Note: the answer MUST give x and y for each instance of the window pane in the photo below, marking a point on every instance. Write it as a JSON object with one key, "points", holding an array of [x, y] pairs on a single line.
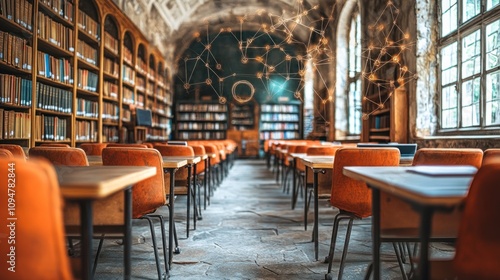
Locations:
{"points": [[449, 98], [449, 16], [471, 54], [492, 3], [355, 108], [471, 91], [471, 8], [449, 64], [493, 45], [493, 98], [449, 118]]}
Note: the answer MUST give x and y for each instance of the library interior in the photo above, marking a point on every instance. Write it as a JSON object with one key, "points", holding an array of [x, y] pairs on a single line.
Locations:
{"points": [[249, 139]]}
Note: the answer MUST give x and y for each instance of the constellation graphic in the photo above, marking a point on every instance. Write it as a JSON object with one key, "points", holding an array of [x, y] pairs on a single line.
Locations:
{"points": [[282, 60]]}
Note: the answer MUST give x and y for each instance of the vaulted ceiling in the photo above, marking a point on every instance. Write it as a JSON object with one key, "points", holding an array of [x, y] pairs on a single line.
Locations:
{"points": [[170, 24]]}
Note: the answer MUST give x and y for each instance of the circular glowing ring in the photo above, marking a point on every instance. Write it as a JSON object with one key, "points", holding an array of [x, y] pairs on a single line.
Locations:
{"points": [[238, 98]]}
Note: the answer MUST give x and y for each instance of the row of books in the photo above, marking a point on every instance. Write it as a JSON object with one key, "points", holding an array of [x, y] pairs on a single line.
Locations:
{"points": [[51, 128], [87, 80], [111, 67], [160, 109], [280, 108], [19, 11], [127, 55], [128, 74], [157, 134], [381, 121], [279, 117], [201, 126], [128, 96], [15, 51], [151, 73], [15, 90], [87, 108], [279, 126], [57, 69], [163, 95], [87, 52], [202, 107], [202, 116], [279, 135], [140, 83], [150, 88], [64, 8], [126, 115], [139, 101], [86, 131], [15, 125], [110, 134], [110, 89], [55, 32], [88, 25], [141, 66], [53, 98], [111, 42], [201, 135], [110, 112], [160, 122]]}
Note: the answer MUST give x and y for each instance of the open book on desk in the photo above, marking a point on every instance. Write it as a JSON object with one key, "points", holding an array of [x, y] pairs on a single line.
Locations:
{"points": [[441, 170]]}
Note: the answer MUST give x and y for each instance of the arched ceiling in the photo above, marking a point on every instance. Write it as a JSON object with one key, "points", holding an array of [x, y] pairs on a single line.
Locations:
{"points": [[170, 24]]}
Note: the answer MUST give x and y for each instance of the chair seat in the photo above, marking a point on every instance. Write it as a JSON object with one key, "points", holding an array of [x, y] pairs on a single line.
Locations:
{"points": [[411, 234]]}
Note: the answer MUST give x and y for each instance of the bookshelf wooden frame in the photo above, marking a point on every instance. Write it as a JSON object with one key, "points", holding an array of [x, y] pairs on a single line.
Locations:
{"points": [[72, 102], [202, 120], [281, 121]]}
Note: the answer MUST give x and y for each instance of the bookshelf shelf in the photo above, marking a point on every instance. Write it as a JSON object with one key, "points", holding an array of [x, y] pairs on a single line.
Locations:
{"points": [[280, 121], [201, 120]]}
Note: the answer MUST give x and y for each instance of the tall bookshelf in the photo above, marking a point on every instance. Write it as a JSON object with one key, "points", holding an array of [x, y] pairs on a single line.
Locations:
{"points": [[201, 120], [242, 116], [72, 71], [161, 104], [386, 122], [280, 121]]}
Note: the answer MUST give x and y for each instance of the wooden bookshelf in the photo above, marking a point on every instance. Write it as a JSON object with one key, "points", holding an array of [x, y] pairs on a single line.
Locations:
{"points": [[243, 116], [73, 71], [280, 121], [201, 120], [387, 122]]}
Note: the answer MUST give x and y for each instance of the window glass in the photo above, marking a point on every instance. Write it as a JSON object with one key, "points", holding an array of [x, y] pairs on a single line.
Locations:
{"points": [[492, 3], [493, 45], [493, 98], [471, 8], [471, 54], [449, 16], [449, 105]]}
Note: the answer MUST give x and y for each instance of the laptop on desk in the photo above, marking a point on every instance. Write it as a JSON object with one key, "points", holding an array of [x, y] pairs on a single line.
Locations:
{"points": [[407, 151]]}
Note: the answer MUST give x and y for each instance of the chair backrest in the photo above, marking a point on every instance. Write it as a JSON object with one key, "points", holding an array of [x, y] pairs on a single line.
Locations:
{"points": [[175, 150], [40, 248], [212, 149], [442, 156], [57, 156], [16, 150], [179, 143], [93, 149], [131, 145], [4, 153], [148, 195], [199, 150], [352, 195], [478, 246], [322, 150], [489, 156], [60, 145]]}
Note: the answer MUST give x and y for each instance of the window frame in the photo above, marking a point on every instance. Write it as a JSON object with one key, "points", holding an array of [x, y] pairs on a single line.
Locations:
{"points": [[478, 22]]}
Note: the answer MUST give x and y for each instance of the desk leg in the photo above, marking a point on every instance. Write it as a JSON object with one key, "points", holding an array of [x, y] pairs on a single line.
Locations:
{"points": [[205, 181], [188, 215], [171, 217], [425, 232], [294, 190], [127, 239], [376, 232], [86, 232], [316, 214]]}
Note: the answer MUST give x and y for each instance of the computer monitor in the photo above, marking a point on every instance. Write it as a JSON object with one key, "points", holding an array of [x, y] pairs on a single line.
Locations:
{"points": [[406, 150], [143, 117]]}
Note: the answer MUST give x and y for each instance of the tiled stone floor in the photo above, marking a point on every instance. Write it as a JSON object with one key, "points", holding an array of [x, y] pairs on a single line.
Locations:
{"points": [[249, 231]]}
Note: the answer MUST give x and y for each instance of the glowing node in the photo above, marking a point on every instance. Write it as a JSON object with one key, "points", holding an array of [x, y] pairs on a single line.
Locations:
{"points": [[187, 86], [209, 46], [365, 116], [404, 69], [297, 94], [259, 75], [372, 77], [324, 101], [208, 81], [271, 68], [288, 57], [381, 106], [239, 97], [244, 60], [207, 65], [222, 100], [218, 66]]}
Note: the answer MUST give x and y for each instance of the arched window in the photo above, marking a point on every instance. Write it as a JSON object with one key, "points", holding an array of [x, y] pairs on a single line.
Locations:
{"points": [[354, 79]]}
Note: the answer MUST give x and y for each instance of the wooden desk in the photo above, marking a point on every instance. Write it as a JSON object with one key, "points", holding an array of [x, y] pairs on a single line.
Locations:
{"points": [[85, 184], [424, 192], [294, 157], [318, 164]]}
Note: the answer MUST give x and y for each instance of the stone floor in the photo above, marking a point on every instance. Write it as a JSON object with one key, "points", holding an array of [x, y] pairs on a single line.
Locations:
{"points": [[249, 231]]}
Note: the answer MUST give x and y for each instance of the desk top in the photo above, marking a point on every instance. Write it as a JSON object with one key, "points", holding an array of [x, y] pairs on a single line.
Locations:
{"points": [[322, 162], [94, 182], [168, 162], [442, 190]]}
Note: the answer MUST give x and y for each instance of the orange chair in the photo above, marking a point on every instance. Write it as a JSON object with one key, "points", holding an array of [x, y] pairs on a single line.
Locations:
{"points": [[489, 156], [40, 249], [132, 145], [57, 156], [16, 150], [201, 168], [352, 197], [478, 246], [400, 223], [183, 177], [324, 181], [214, 167], [4, 153], [93, 149]]}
